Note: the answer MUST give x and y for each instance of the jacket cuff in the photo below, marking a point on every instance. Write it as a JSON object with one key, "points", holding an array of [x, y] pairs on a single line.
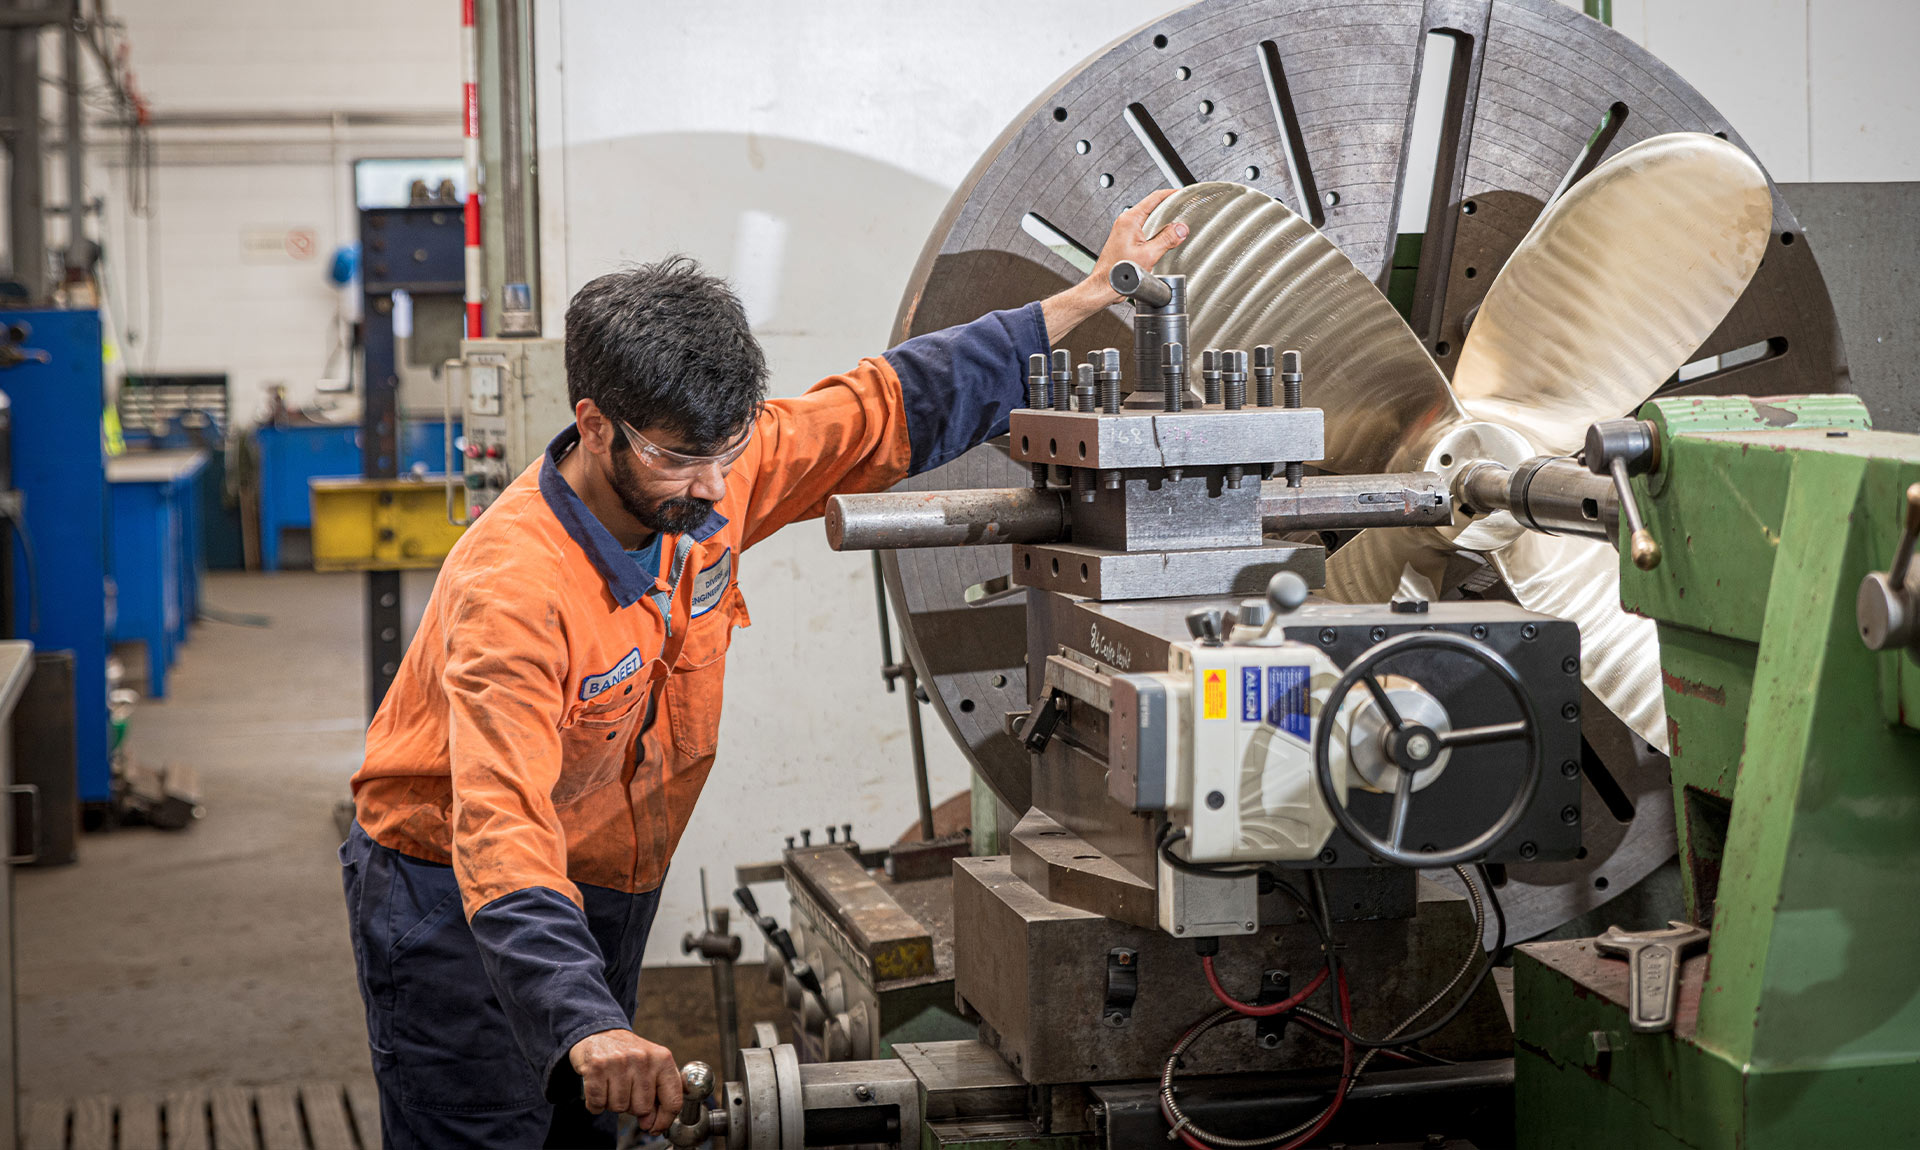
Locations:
{"points": [[959, 385], [548, 974]]}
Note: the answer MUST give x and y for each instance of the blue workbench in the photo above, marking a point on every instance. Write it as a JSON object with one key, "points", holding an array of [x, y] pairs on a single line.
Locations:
{"points": [[159, 558], [59, 464], [292, 454]]}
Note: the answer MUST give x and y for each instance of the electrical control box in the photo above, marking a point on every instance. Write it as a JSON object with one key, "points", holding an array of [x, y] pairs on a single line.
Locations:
{"points": [[1232, 734], [512, 398]]}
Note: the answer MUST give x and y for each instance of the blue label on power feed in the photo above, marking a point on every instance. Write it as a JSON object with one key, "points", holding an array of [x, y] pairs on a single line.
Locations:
{"points": [[1287, 692], [1250, 708]]}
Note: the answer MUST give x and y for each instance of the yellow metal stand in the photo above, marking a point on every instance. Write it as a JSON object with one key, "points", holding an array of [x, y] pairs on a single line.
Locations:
{"points": [[380, 524]]}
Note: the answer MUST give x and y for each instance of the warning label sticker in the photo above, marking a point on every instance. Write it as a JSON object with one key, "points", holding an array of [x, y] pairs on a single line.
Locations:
{"points": [[1213, 691]]}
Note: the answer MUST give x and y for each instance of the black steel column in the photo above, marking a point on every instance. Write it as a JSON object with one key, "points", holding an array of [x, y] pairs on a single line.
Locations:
{"points": [[420, 251]]}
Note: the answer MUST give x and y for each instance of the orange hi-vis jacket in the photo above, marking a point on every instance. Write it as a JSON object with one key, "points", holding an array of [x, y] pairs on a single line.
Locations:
{"points": [[556, 715]]}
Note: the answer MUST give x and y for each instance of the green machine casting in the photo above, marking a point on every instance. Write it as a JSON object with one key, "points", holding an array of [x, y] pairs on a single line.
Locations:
{"points": [[1796, 782]]}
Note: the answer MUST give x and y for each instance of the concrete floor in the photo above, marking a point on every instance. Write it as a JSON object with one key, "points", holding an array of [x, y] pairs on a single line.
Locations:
{"points": [[218, 954]]}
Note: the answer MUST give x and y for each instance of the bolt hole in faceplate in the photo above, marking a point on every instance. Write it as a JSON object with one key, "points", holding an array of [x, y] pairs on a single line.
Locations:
{"points": [[966, 705], [1251, 174], [1472, 272], [1206, 107], [1228, 139], [1600, 883], [1786, 238], [983, 226], [1060, 114], [1083, 146]]}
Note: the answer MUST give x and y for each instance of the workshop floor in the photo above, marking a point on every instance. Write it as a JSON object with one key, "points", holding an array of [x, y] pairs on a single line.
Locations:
{"points": [[218, 955]]}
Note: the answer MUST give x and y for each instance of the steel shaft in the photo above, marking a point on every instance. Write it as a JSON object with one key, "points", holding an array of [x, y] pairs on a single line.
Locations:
{"points": [[898, 520]]}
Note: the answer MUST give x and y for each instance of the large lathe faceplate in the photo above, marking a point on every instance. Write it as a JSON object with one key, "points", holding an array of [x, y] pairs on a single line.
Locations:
{"points": [[1331, 84]]}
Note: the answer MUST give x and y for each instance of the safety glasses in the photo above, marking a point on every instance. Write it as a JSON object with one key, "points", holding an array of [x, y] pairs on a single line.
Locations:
{"points": [[666, 461]]}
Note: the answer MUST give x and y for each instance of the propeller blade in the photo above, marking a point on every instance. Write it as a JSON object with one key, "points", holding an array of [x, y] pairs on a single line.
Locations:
{"points": [[1579, 580], [1617, 284], [1369, 567], [1257, 273]]}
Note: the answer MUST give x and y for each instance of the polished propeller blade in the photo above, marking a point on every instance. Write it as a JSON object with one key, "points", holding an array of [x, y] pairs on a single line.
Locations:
{"points": [[1257, 273], [1369, 567], [1579, 580], [1615, 287]]}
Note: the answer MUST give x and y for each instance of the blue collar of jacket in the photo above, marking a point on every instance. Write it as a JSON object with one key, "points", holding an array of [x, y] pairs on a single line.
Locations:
{"points": [[623, 575]]}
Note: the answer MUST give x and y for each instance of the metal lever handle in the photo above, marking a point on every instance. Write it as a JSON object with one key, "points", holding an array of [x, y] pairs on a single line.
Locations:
{"points": [[1645, 548], [1903, 556], [1884, 608], [695, 1124], [1139, 285]]}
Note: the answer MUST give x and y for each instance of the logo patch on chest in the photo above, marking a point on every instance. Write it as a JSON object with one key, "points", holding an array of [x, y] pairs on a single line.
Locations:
{"points": [[711, 583], [625, 669]]}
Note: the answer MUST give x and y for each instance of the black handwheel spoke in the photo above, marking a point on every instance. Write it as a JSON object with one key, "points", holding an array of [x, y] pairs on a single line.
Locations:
{"points": [[1417, 744], [1402, 806], [1491, 733], [1379, 694]]}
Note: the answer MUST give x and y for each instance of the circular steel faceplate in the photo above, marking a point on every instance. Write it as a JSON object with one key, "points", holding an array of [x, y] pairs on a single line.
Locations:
{"points": [[1217, 90]]}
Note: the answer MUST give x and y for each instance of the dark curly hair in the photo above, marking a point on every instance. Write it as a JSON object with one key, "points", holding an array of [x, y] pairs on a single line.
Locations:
{"points": [[667, 345]]}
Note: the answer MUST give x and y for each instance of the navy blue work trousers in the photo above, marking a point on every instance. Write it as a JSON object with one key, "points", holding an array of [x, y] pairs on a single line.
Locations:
{"points": [[449, 1069]]}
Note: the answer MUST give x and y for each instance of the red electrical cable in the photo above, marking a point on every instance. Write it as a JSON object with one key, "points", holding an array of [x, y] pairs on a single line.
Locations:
{"points": [[1346, 1068], [1251, 1009]]}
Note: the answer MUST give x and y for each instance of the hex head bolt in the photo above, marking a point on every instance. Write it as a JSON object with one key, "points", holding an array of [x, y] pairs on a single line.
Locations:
{"points": [[1290, 396], [1173, 387], [1263, 389], [1210, 375], [1106, 378], [1233, 388], [1037, 400], [1173, 377], [1062, 401]]}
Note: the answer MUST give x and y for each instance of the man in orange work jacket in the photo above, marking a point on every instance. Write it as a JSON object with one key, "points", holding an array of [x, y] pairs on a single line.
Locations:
{"points": [[540, 752]]}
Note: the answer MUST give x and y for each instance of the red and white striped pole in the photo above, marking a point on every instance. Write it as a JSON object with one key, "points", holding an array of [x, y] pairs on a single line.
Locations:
{"points": [[470, 51]]}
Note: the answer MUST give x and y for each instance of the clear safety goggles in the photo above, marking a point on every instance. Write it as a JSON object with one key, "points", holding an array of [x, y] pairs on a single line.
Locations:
{"points": [[667, 461]]}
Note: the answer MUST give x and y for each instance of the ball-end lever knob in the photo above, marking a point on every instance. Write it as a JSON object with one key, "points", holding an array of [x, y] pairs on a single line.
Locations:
{"points": [[1139, 285], [1205, 624], [694, 1125], [1285, 592]]}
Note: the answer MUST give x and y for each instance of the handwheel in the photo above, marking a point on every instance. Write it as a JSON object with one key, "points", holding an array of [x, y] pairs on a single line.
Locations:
{"points": [[1413, 748]]}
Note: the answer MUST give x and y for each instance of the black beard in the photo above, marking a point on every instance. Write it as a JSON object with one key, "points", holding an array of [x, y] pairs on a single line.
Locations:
{"points": [[668, 516]]}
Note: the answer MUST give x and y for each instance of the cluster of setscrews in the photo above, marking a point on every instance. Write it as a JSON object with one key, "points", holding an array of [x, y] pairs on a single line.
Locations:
{"points": [[1055, 382]]}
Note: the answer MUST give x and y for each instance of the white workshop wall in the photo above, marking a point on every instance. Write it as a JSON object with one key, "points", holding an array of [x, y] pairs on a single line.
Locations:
{"points": [[1822, 89], [205, 304]]}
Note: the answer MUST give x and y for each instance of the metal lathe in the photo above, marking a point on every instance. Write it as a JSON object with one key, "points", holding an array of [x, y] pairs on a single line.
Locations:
{"points": [[1336, 616]]}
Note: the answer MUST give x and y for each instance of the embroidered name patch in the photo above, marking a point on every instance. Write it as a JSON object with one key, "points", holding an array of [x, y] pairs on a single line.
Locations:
{"points": [[711, 584], [625, 669]]}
